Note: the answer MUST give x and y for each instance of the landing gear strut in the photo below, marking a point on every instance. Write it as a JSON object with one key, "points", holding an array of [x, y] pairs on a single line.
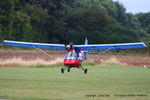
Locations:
{"points": [[68, 69]]}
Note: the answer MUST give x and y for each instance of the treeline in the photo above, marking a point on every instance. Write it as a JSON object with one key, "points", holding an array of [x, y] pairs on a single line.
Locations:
{"points": [[63, 21]]}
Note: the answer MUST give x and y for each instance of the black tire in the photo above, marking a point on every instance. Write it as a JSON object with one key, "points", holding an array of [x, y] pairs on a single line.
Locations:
{"points": [[68, 69], [85, 71], [62, 70]]}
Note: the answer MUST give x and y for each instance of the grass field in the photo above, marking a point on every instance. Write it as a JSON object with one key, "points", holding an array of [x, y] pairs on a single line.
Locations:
{"points": [[101, 82]]}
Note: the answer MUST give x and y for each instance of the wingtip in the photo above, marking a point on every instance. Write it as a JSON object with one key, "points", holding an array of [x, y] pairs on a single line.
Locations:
{"points": [[144, 45]]}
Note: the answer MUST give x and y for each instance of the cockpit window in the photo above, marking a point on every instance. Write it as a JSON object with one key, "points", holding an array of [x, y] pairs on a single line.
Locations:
{"points": [[72, 54]]}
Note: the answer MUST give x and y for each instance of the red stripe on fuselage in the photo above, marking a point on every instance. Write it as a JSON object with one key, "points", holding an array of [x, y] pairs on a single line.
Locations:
{"points": [[72, 62]]}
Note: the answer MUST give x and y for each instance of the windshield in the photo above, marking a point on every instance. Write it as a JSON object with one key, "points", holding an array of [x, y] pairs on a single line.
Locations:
{"points": [[72, 54]]}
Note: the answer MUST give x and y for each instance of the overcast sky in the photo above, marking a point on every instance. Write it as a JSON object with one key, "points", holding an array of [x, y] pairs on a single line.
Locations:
{"points": [[135, 6]]}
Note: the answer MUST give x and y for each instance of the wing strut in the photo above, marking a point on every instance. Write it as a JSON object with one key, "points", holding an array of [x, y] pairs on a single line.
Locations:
{"points": [[98, 55], [44, 52], [101, 53]]}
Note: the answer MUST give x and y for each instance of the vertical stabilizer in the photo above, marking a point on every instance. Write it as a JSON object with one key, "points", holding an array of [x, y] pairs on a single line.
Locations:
{"points": [[86, 52]]}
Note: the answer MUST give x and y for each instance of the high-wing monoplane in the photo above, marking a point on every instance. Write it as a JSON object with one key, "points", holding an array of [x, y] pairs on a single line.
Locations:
{"points": [[75, 53]]}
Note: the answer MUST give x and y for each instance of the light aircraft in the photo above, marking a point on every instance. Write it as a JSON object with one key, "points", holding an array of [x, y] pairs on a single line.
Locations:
{"points": [[75, 53]]}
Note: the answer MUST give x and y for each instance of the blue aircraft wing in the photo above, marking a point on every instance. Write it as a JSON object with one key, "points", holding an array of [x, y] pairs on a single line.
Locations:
{"points": [[81, 47], [35, 45], [111, 46]]}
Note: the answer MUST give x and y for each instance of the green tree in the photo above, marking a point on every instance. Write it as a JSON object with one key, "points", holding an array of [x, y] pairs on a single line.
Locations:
{"points": [[144, 19], [1, 36], [61, 21], [148, 29], [28, 34], [37, 18]]}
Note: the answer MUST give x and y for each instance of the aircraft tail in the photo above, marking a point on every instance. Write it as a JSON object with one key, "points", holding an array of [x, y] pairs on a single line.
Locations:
{"points": [[86, 52]]}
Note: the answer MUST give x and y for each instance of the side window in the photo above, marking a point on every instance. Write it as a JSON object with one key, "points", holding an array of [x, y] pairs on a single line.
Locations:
{"points": [[80, 56]]}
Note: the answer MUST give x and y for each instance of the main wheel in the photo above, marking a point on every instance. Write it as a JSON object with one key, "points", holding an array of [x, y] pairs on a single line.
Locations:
{"points": [[68, 69], [62, 70], [85, 71]]}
